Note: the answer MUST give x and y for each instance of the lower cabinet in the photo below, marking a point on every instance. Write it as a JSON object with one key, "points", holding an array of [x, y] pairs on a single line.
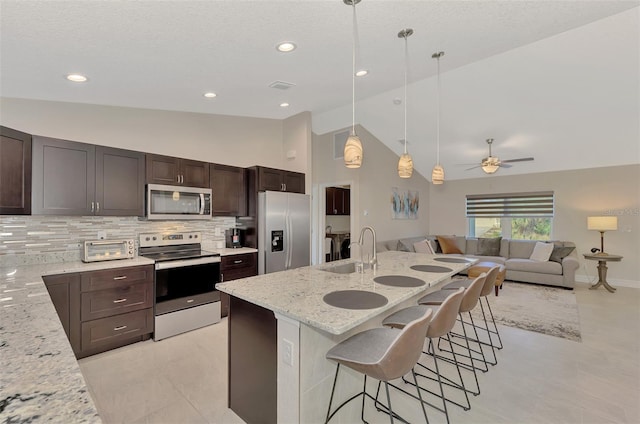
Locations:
{"points": [[106, 309], [234, 267]]}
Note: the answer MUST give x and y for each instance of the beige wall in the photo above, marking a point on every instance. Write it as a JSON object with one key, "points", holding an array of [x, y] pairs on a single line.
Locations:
{"points": [[222, 139], [371, 186], [296, 142], [578, 194]]}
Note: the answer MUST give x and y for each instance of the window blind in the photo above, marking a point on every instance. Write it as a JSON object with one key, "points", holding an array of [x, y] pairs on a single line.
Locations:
{"points": [[537, 204]]}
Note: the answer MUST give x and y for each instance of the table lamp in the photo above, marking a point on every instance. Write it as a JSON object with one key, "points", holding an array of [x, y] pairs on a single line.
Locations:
{"points": [[602, 224]]}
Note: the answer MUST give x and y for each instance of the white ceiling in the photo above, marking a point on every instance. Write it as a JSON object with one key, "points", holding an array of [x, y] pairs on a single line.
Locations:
{"points": [[166, 54]]}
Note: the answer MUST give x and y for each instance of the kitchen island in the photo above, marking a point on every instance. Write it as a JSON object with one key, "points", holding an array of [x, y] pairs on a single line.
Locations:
{"points": [[280, 329]]}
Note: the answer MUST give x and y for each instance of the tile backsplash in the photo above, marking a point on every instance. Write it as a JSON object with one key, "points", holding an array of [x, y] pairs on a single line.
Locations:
{"points": [[35, 239]]}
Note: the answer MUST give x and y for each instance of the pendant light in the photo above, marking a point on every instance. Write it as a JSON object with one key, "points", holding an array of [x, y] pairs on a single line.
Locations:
{"points": [[353, 146], [405, 163], [437, 176]]}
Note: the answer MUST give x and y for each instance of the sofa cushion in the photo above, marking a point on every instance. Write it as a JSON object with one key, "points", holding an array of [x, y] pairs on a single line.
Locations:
{"points": [[521, 248], [423, 246], [406, 244], [448, 244], [489, 246], [528, 265], [541, 251], [560, 252], [471, 246], [496, 259]]}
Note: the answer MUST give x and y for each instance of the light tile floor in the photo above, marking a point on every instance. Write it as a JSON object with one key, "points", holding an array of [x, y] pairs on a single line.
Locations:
{"points": [[538, 379]]}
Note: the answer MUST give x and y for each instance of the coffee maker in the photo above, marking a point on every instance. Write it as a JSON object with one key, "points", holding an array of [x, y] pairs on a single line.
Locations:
{"points": [[234, 237]]}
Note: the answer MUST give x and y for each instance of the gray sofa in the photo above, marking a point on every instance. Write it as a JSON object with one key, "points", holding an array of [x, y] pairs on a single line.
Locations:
{"points": [[513, 254]]}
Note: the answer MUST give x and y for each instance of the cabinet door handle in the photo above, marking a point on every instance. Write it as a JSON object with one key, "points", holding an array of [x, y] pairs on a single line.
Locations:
{"points": [[178, 179], [122, 327], [92, 207], [122, 277], [97, 207], [190, 301], [221, 278], [181, 179], [120, 300], [285, 186], [238, 261]]}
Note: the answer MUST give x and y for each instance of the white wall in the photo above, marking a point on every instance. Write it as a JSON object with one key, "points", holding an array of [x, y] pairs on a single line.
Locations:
{"points": [[296, 143], [578, 194], [222, 139], [371, 186]]}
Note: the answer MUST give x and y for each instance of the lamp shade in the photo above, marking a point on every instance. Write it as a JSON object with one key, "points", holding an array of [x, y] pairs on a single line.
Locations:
{"points": [[353, 152], [437, 175], [602, 223], [405, 166]]}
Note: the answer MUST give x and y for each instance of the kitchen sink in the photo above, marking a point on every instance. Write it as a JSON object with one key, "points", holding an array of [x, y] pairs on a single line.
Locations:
{"points": [[348, 268]]}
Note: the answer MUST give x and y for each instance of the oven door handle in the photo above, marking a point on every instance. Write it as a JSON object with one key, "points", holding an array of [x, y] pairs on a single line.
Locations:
{"points": [[187, 262]]}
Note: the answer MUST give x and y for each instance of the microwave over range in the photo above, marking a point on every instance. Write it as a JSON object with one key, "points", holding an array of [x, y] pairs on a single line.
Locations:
{"points": [[175, 202]]}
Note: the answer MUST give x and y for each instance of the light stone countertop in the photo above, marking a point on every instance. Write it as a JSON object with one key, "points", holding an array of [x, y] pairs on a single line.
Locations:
{"points": [[298, 293], [40, 379], [238, 251]]}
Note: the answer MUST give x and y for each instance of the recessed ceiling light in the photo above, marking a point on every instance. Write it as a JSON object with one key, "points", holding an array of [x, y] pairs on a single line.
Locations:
{"points": [[76, 78], [284, 104], [210, 95], [286, 46], [362, 72]]}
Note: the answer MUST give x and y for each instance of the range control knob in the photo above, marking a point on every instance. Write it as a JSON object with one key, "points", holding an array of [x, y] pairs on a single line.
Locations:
{"points": [[147, 239], [190, 236], [154, 238], [196, 236]]}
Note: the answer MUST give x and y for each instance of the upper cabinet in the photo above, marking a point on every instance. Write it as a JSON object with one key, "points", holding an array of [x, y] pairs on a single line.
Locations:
{"points": [[278, 180], [229, 190], [71, 178], [338, 201], [15, 172], [169, 170]]}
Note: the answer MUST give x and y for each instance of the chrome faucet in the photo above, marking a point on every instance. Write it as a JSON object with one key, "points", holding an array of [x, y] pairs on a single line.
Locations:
{"points": [[374, 260]]}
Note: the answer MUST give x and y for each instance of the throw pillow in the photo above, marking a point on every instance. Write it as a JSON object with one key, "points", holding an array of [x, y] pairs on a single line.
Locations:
{"points": [[559, 253], [423, 247], [541, 252], [448, 244], [489, 246]]}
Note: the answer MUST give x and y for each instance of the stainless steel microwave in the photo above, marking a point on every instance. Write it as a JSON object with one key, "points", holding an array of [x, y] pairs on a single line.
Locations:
{"points": [[175, 202]]}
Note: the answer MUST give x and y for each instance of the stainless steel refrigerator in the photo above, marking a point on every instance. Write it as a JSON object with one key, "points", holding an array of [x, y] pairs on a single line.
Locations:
{"points": [[284, 231]]}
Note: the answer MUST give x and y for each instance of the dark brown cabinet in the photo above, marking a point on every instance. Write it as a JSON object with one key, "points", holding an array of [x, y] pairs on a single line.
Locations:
{"points": [[106, 309], [15, 172], [278, 180], [234, 267], [170, 170], [229, 190], [71, 178], [338, 201]]}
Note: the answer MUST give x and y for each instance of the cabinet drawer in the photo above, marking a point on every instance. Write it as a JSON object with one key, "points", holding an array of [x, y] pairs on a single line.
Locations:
{"points": [[116, 277], [113, 330], [232, 262], [235, 274], [104, 303]]}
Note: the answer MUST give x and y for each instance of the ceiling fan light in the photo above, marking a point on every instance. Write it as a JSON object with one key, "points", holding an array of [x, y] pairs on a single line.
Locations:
{"points": [[489, 166], [353, 152], [437, 175], [405, 166]]}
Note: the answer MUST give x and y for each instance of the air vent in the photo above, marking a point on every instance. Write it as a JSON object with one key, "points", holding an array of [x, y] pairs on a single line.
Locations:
{"points": [[401, 141], [281, 85], [339, 140]]}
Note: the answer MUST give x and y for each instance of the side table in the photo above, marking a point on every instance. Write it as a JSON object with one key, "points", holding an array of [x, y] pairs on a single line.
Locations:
{"points": [[602, 269]]}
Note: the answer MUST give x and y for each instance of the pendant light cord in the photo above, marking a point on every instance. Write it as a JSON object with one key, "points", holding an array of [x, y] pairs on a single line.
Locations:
{"points": [[438, 114], [353, 71], [406, 67]]}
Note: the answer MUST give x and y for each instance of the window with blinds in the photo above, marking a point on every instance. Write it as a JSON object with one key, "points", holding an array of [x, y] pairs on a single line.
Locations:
{"points": [[510, 205]]}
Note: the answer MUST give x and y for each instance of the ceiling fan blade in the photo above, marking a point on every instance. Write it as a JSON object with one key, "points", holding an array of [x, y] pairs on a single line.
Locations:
{"points": [[473, 167], [504, 165], [517, 160]]}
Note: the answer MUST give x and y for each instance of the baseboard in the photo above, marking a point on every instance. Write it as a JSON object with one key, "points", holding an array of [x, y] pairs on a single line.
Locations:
{"points": [[581, 278]]}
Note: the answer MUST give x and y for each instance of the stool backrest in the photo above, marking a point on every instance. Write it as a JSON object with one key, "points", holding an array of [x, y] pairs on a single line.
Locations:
{"points": [[490, 281], [445, 317], [471, 296], [403, 354]]}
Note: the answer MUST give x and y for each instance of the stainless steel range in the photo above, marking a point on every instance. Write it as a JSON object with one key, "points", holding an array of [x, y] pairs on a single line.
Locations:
{"points": [[185, 282]]}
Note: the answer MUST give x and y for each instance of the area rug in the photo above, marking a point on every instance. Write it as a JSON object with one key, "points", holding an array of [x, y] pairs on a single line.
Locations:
{"points": [[547, 310]]}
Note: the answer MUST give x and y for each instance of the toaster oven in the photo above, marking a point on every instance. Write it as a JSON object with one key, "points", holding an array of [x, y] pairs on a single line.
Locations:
{"points": [[107, 250]]}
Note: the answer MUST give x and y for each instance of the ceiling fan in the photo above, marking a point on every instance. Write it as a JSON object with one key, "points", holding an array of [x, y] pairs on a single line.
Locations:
{"points": [[491, 164]]}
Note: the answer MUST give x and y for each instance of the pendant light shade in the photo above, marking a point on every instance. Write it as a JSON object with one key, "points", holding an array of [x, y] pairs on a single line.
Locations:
{"points": [[353, 151], [405, 163], [353, 147], [437, 175]]}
